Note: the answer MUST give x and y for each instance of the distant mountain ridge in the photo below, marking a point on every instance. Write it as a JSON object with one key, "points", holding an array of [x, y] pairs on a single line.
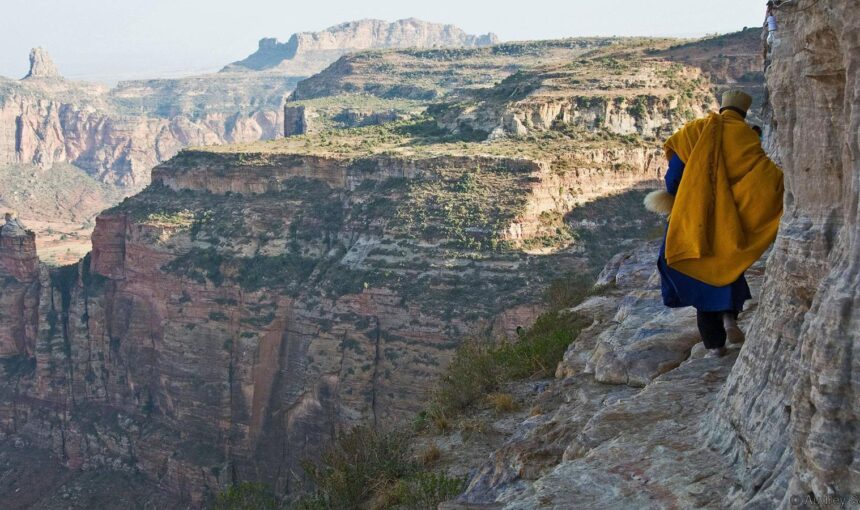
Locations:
{"points": [[311, 52]]}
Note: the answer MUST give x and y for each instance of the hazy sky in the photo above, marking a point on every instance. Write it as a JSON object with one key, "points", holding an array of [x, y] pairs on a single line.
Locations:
{"points": [[114, 39]]}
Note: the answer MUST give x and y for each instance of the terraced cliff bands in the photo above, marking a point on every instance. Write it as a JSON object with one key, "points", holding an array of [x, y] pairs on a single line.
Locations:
{"points": [[317, 291], [256, 298], [771, 425], [308, 53], [625, 86]]}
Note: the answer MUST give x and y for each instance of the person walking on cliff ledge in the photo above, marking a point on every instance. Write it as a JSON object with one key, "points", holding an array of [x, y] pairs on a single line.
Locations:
{"points": [[724, 200]]}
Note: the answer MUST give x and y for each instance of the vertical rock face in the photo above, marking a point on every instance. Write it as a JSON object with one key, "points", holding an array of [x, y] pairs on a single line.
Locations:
{"points": [[298, 120], [41, 65], [790, 411], [219, 331], [19, 270], [118, 135]]}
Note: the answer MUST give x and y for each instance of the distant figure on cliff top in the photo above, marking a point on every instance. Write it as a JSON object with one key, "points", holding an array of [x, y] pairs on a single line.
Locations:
{"points": [[13, 227], [724, 197], [770, 24]]}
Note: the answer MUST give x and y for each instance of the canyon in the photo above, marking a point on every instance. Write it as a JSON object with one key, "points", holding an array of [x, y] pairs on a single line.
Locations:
{"points": [[103, 142], [255, 298], [272, 293]]}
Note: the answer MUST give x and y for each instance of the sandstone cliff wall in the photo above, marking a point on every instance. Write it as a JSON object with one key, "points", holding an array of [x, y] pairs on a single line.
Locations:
{"points": [[19, 270], [116, 148], [307, 52], [245, 306], [790, 410]]}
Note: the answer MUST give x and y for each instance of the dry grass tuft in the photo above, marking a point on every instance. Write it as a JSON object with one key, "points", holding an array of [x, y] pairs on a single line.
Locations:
{"points": [[502, 402], [430, 455]]}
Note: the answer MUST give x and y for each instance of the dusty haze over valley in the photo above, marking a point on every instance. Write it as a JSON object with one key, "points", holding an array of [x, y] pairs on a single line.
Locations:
{"points": [[405, 264]]}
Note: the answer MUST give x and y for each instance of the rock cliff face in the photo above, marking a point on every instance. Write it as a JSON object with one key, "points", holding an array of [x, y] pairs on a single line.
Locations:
{"points": [[219, 330], [773, 424], [308, 53], [19, 269], [118, 135], [623, 93], [790, 412], [648, 99]]}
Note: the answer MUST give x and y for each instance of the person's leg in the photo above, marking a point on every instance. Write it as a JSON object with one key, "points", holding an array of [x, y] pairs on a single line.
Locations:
{"points": [[711, 329], [733, 332]]}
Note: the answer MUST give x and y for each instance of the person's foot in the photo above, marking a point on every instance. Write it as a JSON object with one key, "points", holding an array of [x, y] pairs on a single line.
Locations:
{"points": [[733, 332], [716, 353]]}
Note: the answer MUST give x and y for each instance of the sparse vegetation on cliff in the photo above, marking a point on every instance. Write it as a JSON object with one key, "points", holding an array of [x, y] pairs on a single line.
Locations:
{"points": [[481, 366], [470, 207], [367, 468], [246, 496]]}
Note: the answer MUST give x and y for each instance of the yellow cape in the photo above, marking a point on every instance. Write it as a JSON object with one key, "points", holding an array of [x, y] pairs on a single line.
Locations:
{"points": [[727, 209]]}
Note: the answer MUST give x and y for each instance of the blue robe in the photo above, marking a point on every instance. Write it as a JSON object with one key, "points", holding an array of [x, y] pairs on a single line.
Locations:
{"points": [[680, 290]]}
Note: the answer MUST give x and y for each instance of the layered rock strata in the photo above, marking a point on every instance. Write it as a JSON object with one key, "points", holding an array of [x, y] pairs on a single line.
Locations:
{"points": [[308, 53], [772, 425], [245, 306], [789, 412]]}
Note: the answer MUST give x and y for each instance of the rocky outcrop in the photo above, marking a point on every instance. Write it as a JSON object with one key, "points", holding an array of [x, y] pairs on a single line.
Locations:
{"points": [[19, 271], [118, 135], [620, 427], [299, 120], [308, 53], [789, 412], [772, 425], [41, 65], [652, 100]]}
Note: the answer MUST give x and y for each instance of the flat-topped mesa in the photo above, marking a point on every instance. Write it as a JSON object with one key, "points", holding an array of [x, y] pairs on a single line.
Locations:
{"points": [[41, 65], [255, 173], [549, 187], [405, 33], [313, 51]]}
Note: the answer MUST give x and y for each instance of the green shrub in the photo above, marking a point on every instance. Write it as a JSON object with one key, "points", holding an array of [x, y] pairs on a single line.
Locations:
{"points": [[246, 496], [542, 347], [360, 465], [480, 366], [370, 468], [470, 376], [426, 490]]}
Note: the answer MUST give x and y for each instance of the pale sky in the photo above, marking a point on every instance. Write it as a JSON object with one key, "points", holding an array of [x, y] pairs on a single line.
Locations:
{"points": [[107, 40]]}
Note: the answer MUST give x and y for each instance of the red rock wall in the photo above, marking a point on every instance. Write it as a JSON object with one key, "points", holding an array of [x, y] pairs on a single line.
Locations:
{"points": [[19, 267]]}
